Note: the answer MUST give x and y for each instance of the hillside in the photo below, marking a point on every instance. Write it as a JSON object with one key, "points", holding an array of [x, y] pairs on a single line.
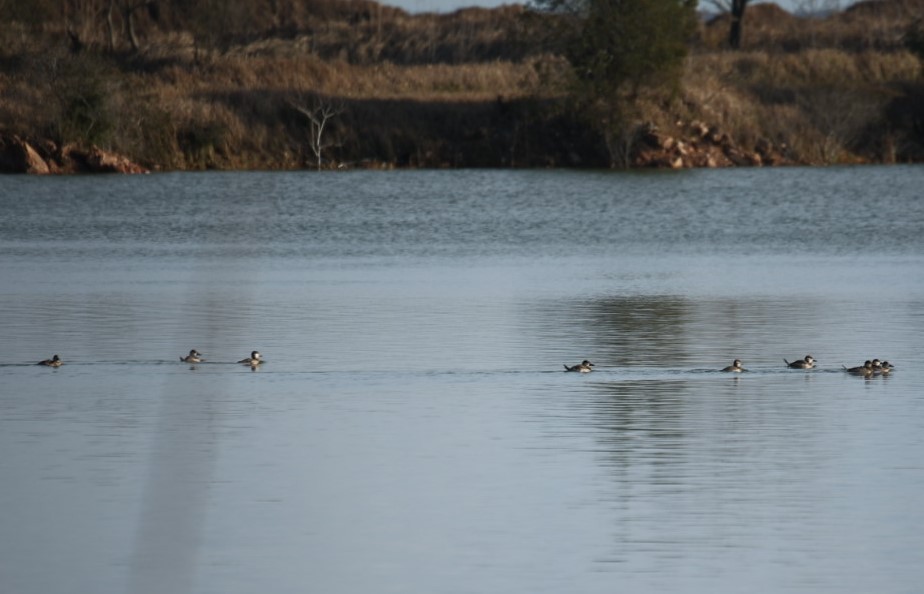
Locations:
{"points": [[172, 88]]}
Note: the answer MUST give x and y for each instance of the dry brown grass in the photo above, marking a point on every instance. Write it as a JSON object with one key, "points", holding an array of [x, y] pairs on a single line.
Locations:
{"points": [[763, 69], [819, 88], [292, 71], [818, 102]]}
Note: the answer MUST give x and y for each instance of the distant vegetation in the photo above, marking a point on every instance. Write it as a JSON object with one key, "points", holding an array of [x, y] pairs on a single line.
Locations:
{"points": [[271, 84]]}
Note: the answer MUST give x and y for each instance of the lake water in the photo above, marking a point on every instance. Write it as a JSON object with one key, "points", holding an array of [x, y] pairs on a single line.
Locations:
{"points": [[412, 430]]}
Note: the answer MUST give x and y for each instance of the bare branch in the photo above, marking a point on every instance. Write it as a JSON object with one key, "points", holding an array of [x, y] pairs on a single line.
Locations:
{"points": [[319, 114]]}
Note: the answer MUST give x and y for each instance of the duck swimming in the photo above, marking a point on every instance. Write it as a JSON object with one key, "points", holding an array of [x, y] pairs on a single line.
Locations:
{"points": [[253, 360], [735, 367], [807, 363], [866, 369], [194, 356], [53, 362], [582, 367], [883, 368]]}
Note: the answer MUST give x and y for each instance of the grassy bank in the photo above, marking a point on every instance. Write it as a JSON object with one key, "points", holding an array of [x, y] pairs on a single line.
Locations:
{"points": [[459, 90]]}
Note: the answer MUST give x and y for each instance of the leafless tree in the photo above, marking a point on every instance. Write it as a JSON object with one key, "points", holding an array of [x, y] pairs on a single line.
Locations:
{"points": [[319, 114]]}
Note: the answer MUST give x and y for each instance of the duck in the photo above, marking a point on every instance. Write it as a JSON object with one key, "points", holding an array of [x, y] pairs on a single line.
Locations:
{"points": [[866, 369], [807, 363], [194, 356], [882, 368], [253, 360], [735, 366], [53, 362], [582, 367]]}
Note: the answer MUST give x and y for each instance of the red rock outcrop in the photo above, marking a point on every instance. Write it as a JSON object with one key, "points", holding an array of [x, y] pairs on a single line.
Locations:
{"points": [[96, 160], [699, 145], [18, 155]]}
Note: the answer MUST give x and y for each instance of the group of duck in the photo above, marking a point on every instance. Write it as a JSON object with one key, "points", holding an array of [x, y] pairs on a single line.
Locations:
{"points": [[869, 368], [194, 356]]}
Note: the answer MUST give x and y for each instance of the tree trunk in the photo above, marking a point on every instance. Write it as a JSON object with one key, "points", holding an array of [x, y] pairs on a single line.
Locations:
{"points": [[110, 26], [737, 22], [128, 16]]}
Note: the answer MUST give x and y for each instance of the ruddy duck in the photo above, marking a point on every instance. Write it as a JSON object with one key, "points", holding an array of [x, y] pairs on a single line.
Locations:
{"points": [[194, 356], [866, 369], [582, 367], [736, 366], [884, 367], [253, 360], [807, 363], [53, 362]]}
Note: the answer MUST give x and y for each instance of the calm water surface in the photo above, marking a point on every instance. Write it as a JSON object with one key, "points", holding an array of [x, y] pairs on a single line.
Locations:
{"points": [[412, 431]]}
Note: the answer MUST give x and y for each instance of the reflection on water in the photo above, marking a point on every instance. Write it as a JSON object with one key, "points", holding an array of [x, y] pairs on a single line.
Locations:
{"points": [[412, 429], [622, 331]]}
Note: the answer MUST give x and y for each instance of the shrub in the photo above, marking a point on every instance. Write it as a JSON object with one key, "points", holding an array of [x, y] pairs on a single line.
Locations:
{"points": [[84, 87]]}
